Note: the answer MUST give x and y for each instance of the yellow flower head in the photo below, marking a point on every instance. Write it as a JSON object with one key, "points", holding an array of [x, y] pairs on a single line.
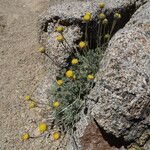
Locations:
{"points": [[90, 77], [56, 104], [74, 61], [60, 29], [69, 73], [82, 45], [56, 135], [101, 5], [88, 13], [42, 127], [105, 21], [41, 50], [107, 36], [32, 105], [59, 82], [102, 16], [27, 98], [25, 136], [87, 17], [117, 16], [60, 38]]}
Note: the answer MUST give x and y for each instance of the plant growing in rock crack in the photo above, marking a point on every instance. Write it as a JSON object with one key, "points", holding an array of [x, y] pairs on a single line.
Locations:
{"points": [[77, 78]]}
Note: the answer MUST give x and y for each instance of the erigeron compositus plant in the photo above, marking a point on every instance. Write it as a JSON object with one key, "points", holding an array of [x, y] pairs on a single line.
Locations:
{"points": [[76, 79]]}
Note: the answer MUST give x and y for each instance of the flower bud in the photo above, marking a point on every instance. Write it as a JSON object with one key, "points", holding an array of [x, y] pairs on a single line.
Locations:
{"points": [[102, 16], [101, 5]]}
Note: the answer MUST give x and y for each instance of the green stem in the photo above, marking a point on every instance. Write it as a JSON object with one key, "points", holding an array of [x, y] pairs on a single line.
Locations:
{"points": [[55, 63], [98, 34], [104, 31], [113, 26], [66, 49], [86, 36]]}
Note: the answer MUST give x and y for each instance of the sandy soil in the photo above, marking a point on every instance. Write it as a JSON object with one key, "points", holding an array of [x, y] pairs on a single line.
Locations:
{"points": [[21, 69]]}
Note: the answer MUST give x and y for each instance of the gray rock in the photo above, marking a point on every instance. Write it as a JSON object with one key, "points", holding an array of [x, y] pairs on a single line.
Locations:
{"points": [[75, 10], [147, 145], [70, 14], [123, 81]]}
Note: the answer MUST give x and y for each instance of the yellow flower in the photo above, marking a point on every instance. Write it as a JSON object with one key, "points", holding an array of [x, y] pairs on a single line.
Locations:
{"points": [[87, 17], [90, 77], [60, 29], [60, 38], [56, 135], [59, 82], [32, 105], [82, 45], [69, 73], [42, 127], [27, 98], [56, 104], [74, 61], [101, 5], [102, 16], [88, 13], [25, 136], [105, 21], [41, 50], [117, 16]]}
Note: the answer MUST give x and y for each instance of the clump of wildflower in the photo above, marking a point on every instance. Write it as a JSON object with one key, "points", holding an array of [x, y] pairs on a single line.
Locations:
{"points": [[90, 77], [74, 61], [32, 105], [56, 135], [59, 82], [82, 45], [87, 17], [56, 104], [27, 98], [25, 136], [60, 38], [101, 5], [105, 21], [102, 16], [69, 73], [117, 16], [60, 29], [42, 127], [41, 50]]}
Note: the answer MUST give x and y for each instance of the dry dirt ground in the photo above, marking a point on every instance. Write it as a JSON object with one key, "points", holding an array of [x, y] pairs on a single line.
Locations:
{"points": [[21, 69]]}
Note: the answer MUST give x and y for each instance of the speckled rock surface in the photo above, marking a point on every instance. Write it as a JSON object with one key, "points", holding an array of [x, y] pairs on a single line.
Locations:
{"points": [[147, 145], [122, 83], [122, 91], [75, 10], [70, 15], [89, 136]]}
